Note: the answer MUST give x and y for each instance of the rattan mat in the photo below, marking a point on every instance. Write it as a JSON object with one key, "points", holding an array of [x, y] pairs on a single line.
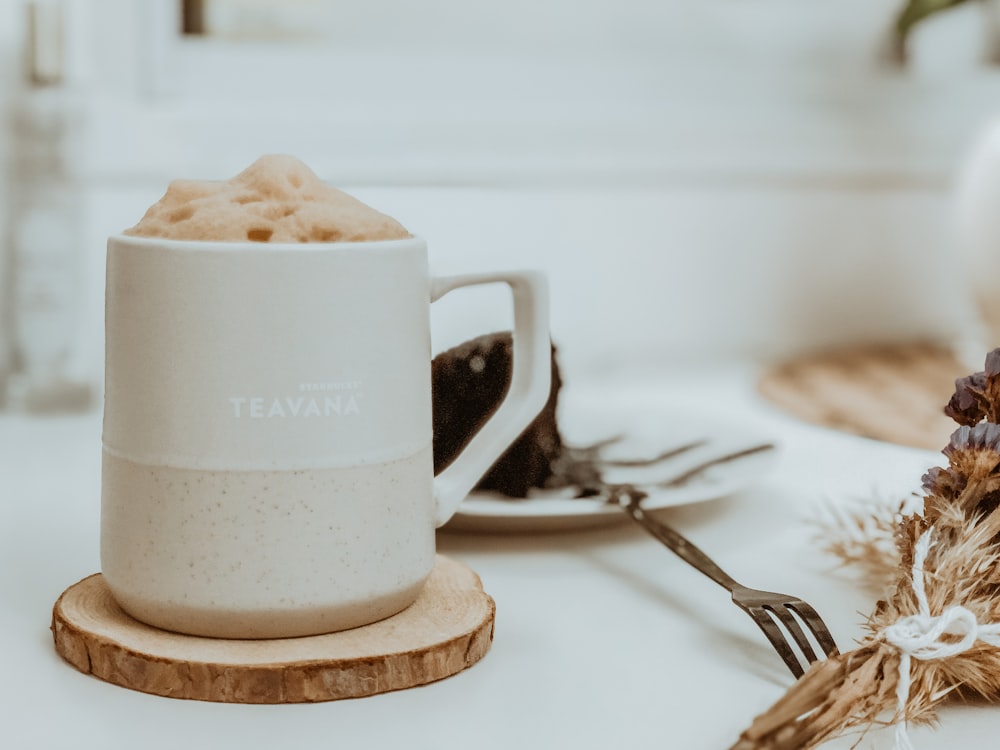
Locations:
{"points": [[895, 393]]}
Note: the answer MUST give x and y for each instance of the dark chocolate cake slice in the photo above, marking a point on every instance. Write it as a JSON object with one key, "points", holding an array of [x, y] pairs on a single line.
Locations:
{"points": [[469, 382]]}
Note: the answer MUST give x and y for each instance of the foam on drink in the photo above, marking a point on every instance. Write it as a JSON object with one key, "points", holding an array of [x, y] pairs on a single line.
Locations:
{"points": [[276, 199]]}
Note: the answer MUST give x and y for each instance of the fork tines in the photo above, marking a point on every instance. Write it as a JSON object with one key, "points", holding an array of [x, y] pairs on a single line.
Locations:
{"points": [[788, 613]]}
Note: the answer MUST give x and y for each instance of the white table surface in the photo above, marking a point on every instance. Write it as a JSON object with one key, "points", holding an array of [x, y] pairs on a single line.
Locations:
{"points": [[603, 638]]}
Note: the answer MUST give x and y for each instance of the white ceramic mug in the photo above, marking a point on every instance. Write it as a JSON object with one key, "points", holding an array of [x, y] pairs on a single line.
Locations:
{"points": [[268, 467]]}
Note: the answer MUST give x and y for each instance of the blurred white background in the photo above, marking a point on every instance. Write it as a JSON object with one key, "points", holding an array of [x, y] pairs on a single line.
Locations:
{"points": [[701, 179]]}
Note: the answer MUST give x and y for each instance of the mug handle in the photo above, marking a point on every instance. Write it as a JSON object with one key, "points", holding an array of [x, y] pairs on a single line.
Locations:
{"points": [[529, 384]]}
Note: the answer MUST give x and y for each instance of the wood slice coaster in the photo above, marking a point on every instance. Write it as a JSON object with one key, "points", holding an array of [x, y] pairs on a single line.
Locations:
{"points": [[894, 393], [448, 628]]}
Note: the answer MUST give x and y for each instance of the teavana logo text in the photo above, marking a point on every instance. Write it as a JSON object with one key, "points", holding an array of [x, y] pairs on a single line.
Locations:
{"points": [[322, 400]]}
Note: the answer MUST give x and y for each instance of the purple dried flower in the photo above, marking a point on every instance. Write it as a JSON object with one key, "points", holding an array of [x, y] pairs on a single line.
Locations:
{"points": [[991, 389], [993, 364], [977, 397], [974, 452], [983, 436], [969, 404], [943, 483]]}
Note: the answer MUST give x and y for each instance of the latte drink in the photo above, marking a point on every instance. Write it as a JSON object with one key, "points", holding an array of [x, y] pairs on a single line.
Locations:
{"points": [[267, 467]]}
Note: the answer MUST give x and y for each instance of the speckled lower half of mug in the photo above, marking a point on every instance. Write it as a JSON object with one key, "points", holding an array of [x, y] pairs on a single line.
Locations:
{"points": [[266, 554]]}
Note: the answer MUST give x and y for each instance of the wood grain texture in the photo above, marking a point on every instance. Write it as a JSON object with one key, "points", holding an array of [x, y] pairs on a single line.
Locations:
{"points": [[448, 628], [894, 393]]}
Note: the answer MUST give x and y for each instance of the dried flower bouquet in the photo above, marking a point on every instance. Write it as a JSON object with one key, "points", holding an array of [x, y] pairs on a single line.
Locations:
{"points": [[937, 631]]}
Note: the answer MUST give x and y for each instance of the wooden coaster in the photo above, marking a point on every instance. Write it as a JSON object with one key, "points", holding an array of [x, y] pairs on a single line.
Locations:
{"points": [[895, 393], [448, 628]]}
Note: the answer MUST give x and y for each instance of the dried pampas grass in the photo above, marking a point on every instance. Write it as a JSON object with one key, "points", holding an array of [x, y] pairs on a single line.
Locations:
{"points": [[937, 629], [862, 536]]}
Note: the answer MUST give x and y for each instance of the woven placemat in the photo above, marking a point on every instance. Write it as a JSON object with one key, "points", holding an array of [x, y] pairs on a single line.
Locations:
{"points": [[895, 393]]}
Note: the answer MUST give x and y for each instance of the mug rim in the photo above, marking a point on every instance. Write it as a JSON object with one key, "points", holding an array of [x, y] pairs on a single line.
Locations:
{"points": [[257, 247]]}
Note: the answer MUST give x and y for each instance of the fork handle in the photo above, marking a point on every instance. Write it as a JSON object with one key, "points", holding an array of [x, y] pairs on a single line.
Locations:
{"points": [[680, 546]]}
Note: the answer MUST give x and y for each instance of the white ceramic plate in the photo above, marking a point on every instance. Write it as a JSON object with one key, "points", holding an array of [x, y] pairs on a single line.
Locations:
{"points": [[646, 430]]}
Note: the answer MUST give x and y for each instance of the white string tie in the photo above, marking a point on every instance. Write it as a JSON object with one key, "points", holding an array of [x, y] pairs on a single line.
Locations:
{"points": [[919, 636]]}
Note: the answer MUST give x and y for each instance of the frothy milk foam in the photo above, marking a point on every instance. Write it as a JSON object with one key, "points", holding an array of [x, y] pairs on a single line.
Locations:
{"points": [[237, 553], [275, 199]]}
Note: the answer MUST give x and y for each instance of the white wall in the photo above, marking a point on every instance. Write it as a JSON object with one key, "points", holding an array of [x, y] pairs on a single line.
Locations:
{"points": [[9, 69], [718, 178], [653, 276]]}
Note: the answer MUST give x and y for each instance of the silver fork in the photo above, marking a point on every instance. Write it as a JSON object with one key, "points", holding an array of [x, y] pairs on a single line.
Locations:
{"points": [[764, 607]]}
